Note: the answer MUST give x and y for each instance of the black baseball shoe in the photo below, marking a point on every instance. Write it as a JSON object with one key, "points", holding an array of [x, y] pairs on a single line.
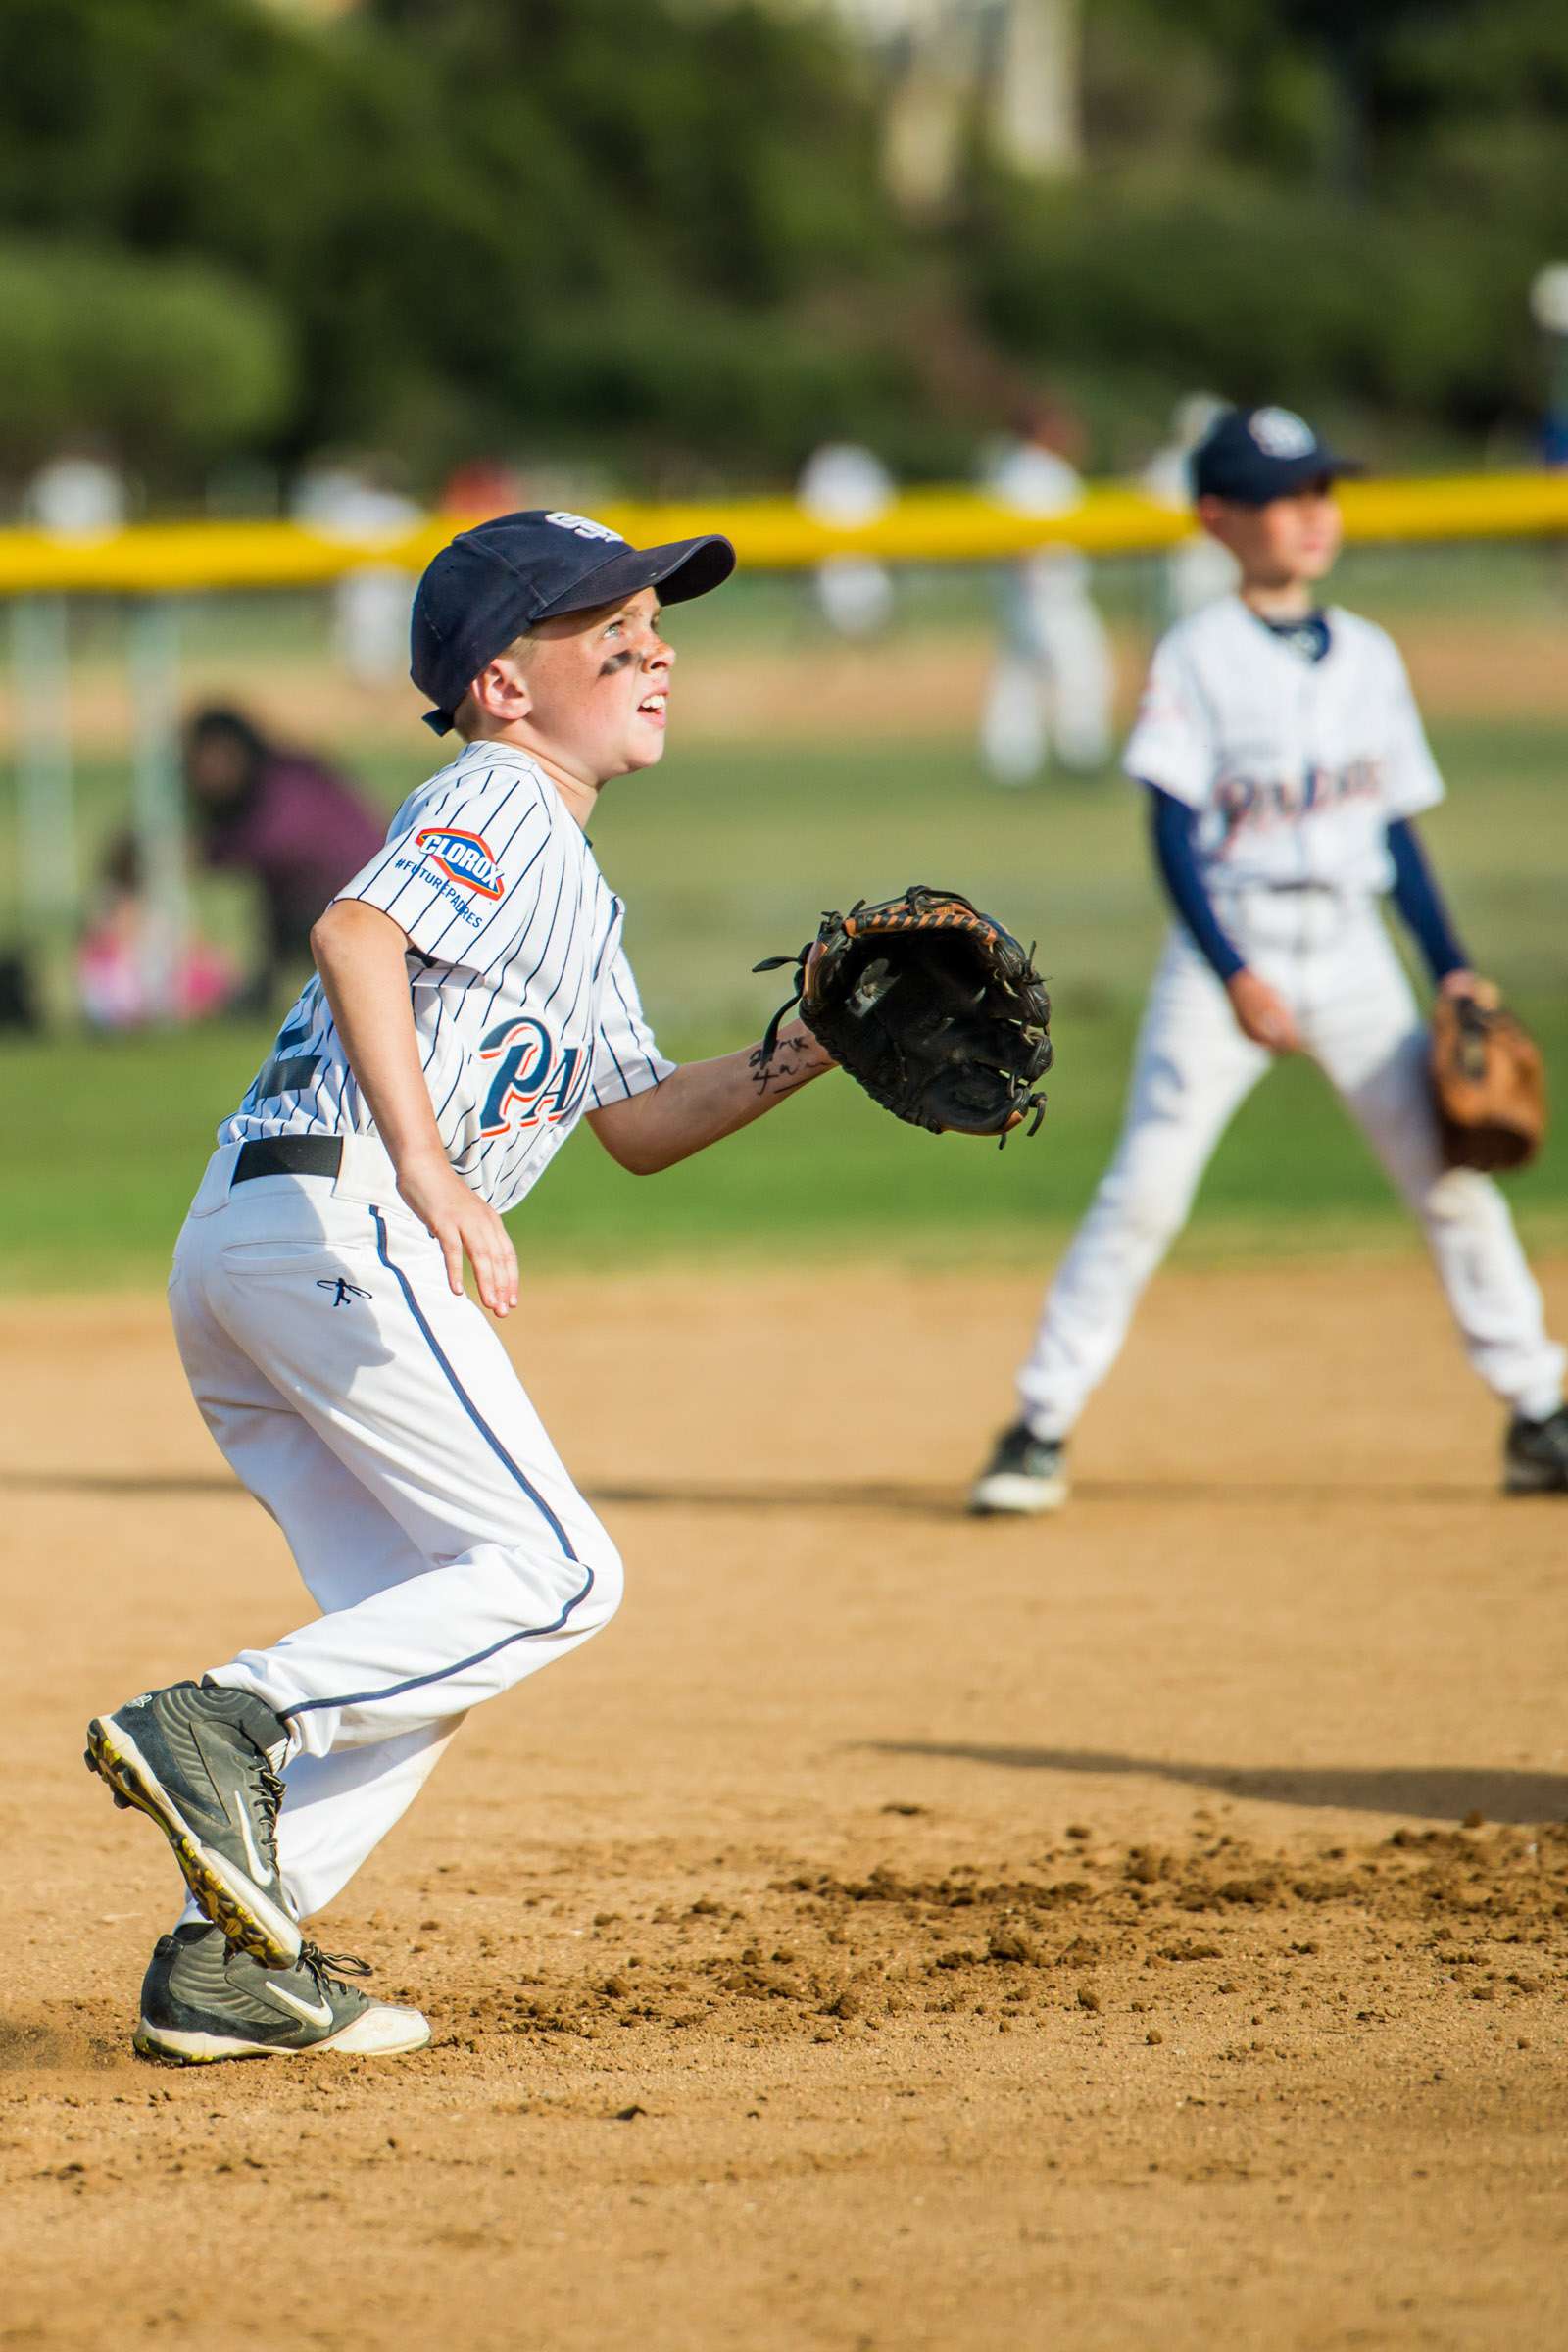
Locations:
{"points": [[204, 1763], [201, 2000], [1025, 1475], [1535, 1455]]}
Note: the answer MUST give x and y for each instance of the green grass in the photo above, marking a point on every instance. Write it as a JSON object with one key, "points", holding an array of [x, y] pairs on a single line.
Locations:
{"points": [[729, 855]]}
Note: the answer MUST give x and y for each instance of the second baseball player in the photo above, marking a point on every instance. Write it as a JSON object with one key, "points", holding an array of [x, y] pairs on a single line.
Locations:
{"points": [[1285, 765]]}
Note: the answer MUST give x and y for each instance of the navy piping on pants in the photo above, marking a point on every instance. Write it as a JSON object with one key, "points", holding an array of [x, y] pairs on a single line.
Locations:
{"points": [[529, 1633]]}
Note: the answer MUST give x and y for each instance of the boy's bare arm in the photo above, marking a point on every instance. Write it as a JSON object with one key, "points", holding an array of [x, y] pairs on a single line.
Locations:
{"points": [[360, 954], [704, 1101]]}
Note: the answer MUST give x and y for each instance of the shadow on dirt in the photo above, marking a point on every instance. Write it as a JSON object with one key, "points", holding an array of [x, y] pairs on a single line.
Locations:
{"points": [[917, 1500], [157, 1485], [1432, 1794], [935, 1501]]}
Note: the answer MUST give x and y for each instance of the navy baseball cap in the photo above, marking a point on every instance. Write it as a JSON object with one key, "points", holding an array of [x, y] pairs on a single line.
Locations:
{"points": [[1252, 454], [497, 579]]}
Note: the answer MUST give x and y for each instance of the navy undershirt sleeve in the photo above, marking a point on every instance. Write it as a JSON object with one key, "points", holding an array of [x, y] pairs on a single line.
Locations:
{"points": [[1172, 827], [1420, 902]]}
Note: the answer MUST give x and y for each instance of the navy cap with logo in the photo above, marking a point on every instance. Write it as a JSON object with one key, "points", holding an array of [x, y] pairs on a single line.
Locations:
{"points": [[1252, 454], [502, 578]]}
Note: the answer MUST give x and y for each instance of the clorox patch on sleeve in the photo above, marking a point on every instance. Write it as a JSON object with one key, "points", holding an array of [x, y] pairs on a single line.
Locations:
{"points": [[464, 858]]}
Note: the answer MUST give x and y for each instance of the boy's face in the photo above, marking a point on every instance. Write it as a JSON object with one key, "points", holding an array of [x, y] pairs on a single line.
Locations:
{"points": [[1289, 540], [598, 686], [218, 766]]}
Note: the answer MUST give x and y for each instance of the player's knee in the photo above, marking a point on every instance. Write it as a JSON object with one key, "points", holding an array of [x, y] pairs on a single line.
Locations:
{"points": [[604, 1596], [1145, 1206], [1461, 1197], [574, 1586], [593, 1582]]}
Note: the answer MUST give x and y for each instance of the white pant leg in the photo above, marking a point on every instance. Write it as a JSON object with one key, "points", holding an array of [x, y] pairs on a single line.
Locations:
{"points": [[1191, 1069], [1077, 650], [345, 1308], [337, 1809], [1360, 1022], [856, 594], [1013, 721]]}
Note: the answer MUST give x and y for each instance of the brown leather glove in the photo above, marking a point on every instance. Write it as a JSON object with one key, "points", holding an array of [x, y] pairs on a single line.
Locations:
{"points": [[1488, 1083]]}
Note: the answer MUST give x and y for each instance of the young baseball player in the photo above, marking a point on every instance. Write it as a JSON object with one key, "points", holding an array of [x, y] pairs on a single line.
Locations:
{"points": [[1285, 764], [472, 1001]]}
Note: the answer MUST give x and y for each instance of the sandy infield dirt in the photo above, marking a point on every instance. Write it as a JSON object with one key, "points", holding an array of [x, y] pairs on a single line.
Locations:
{"points": [[1150, 1928]]}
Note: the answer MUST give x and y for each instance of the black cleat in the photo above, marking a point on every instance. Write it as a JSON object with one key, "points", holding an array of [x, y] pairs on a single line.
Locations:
{"points": [[204, 1762], [1535, 1455], [201, 2000], [1025, 1475]]}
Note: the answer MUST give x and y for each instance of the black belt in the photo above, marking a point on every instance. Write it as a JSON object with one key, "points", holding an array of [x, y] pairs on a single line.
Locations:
{"points": [[288, 1155]]}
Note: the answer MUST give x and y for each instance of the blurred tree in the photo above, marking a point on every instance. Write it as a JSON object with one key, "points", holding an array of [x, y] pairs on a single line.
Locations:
{"points": [[160, 361], [450, 225], [435, 197]]}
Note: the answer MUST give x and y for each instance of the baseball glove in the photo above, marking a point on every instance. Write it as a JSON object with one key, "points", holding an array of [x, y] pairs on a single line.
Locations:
{"points": [[1488, 1083], [930, 1005]]}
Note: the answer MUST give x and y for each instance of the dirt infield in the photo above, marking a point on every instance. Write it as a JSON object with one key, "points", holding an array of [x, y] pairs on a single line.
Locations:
{"points": [[895, 1932]]}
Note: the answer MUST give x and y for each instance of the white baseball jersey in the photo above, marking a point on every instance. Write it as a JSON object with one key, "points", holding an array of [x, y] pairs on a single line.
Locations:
{"points": [[1297, 766], [524, 1006]]}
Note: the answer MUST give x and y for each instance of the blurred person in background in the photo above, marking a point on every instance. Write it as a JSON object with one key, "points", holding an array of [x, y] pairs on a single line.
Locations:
{"points": [[1049, 695], [371, 604], [114, 960], [1197, 570], [289, 820], [1548, 307], [77, 494], [1283, 765], [478, 488], [846, 487]]}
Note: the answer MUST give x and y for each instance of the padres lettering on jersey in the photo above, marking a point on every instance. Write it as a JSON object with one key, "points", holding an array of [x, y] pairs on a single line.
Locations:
{"points": [[524, 1006], [1295, 766]]}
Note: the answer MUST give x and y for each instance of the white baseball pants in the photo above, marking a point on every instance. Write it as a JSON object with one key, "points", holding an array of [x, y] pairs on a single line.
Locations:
{"points": [[378, 1420], [1049, 692], [1333, 961]]}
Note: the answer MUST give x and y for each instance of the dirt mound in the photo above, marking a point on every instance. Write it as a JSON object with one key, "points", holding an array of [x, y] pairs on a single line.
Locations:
{"points": [[898, 1931], [1157, 1932]]}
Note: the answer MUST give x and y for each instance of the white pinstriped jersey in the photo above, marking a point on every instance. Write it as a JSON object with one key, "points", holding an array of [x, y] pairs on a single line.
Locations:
{"points": [[524, 1007], [1295, 767]]}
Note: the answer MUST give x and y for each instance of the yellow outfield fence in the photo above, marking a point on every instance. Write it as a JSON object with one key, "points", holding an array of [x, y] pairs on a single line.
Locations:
{"points": [[153, 565], [925, 527]]}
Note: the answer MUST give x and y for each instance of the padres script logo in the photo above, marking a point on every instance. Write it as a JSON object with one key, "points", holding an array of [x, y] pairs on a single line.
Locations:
{"points": [[533, 1079], [464, 858]]}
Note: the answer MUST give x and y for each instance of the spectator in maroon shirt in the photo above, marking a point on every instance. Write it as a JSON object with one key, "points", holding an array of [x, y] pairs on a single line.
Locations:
{"points": [[290, 820]]}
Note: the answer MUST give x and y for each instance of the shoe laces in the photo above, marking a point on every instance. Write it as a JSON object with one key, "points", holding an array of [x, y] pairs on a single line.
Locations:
{"points": [[321, 1965], [272, 1791]]}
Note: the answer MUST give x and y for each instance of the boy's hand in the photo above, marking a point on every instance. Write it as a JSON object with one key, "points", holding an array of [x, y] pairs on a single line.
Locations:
{"points": [[464, 1225], [1465, 983], [1261, 1012]]}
